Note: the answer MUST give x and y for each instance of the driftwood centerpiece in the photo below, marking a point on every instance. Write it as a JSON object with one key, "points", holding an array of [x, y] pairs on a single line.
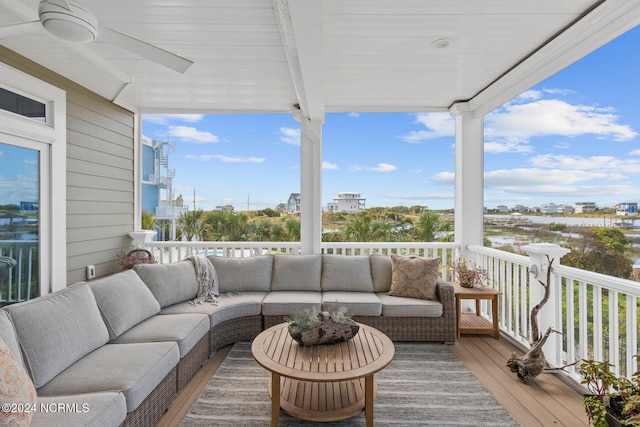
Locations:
{"points": [[312, 328], [533, 362]]}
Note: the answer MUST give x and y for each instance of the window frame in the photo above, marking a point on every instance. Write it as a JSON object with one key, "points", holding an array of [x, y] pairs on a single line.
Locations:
{"points": [[50, 137]]}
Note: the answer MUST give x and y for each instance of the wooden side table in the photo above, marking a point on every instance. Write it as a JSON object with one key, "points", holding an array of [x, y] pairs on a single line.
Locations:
{"points": [[468, 323]]}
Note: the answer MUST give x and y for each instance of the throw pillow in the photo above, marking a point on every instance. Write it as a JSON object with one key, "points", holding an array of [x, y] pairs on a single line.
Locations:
{"points": [[414, 277], [15, 388]]}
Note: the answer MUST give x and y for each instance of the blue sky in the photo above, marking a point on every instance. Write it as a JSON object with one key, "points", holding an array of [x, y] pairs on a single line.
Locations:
{"points": [[574, 137]]}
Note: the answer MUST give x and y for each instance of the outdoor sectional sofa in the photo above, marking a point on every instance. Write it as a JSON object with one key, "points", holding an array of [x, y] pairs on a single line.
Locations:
{"points": [[117, 350]]}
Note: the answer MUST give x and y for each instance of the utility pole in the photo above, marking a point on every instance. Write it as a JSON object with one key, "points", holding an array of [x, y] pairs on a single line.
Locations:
{"points": [[194, 199], [247, 202]]}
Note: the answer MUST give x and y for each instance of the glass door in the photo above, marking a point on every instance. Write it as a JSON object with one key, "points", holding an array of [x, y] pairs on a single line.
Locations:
{"points": [[20, 219]]}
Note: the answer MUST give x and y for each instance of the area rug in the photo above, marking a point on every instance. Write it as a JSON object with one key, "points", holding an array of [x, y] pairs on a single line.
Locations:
{"points": [[425, 384]]}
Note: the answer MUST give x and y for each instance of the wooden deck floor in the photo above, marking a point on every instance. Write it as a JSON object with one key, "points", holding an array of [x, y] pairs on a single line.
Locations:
{"points": [[546, 401]]}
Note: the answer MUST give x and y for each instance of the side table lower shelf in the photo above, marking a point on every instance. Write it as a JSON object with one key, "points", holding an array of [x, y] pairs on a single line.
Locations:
{"points": [[473, 323]]}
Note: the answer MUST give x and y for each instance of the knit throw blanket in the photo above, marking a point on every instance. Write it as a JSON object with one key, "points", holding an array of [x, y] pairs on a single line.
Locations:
{"points": [[208, 290]]}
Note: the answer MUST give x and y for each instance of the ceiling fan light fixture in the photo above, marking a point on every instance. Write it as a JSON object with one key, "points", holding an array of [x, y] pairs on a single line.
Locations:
{"points": [[79, 26], [441, 43]]}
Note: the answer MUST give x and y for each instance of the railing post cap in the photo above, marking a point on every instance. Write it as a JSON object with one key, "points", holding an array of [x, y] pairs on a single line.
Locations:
{"points": [[140, 237], [551, 249]]}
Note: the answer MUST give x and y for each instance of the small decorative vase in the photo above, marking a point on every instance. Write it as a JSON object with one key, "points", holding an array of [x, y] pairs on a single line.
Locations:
{"points": [[466, 282], [328, 332]]}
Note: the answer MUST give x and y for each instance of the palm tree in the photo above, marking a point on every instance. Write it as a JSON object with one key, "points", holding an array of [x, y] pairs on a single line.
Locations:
{"points": [[363, 228], [226, 226], [191, 225], [431, 226], [148, 221]]}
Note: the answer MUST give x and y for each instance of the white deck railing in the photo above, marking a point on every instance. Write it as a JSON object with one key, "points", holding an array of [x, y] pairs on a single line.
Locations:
{"points": [[596, 314], [20, 282]]}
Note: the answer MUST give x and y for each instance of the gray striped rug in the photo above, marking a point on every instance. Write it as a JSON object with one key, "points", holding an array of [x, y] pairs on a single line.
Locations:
{"points": [[425, 384]]}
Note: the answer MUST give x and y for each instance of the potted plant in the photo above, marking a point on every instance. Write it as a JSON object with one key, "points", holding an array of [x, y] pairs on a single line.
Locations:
{"points": [[468, 274], [310, 327], [611, 400]]}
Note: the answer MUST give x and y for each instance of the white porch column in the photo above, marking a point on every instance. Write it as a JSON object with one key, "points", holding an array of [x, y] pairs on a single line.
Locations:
{"points": [[310, 185], [551, 313], [469, 177]]}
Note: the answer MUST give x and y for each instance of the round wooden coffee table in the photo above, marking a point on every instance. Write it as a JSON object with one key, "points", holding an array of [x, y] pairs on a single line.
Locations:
{"points": [[324, 382]]}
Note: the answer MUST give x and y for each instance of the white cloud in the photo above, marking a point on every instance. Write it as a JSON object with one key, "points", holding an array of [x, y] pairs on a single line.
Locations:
{"points": [[444, 178], [425, 196], [518, 123], [329, 166], [290, 135], [497, 147], [631, 153], [163, 119], [381, 167], [608, 164], [226, 159], [191, 134], [354, 114], [438, 125]]}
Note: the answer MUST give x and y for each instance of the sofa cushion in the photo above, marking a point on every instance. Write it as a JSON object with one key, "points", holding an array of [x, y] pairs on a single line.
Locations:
{"points": [[414, 277], [357, 303], [8, 335], [251, 274], [133, 369], [346, 273], [285, 303], [185, 329], [170, 283], [231, 305], [380, 272], [409, 307], [100, 409], [123, 300], [66, 324], [296, 273], [15, 388]]}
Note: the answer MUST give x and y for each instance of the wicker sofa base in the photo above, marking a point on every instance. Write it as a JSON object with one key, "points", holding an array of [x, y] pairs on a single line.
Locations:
{"points": [[434, 329], [231, 331], [191, 362], [156, 404]]}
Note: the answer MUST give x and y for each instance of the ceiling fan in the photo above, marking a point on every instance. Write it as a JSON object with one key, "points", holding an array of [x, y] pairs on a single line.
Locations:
{"points": [[71, 21]]}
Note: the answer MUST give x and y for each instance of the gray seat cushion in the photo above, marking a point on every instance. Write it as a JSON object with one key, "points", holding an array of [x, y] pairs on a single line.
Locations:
{"points": [[231, 305], [285, 303], [58, 329], [357, 303], [409, 307], [8, 335], [296, 273], [124, 301], [133, 369], [185, 329], [170, 283], [252, 274], [346, 273], [381, 272], [102, 409]]}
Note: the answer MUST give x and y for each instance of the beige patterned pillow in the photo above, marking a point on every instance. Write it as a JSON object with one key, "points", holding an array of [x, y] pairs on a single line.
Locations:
{"points": [[414, 277], [15, 388]]}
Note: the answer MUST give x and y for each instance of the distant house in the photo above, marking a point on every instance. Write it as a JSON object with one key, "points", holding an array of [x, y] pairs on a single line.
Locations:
{"points": [[549, 208], [293, 204], [502, 208], [227, 208], [585, 207], [627, 208], [282, 207], [347, 202], [565, 209]]}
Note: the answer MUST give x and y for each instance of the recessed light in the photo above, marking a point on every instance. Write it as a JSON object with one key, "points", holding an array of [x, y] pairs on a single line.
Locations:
{"points": [[441, 43]]}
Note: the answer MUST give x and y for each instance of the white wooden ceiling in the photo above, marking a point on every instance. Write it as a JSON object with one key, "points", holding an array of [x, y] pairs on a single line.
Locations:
{"points": [[327, 55]]}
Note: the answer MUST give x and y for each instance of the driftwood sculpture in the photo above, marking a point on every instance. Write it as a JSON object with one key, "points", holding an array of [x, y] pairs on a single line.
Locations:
{"points": [[532, 363]]}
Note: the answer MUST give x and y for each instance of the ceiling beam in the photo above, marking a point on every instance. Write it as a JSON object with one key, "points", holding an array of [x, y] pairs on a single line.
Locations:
{"points": [[604, 23], [301, 27]]}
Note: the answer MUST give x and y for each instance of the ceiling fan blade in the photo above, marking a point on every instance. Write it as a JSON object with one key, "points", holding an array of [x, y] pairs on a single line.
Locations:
{"points": [[20, 29], [61, 3], [146, 50]]}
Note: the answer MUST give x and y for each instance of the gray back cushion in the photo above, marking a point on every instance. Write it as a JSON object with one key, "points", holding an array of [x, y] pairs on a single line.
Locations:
{"points": [[296, 273], [57, 329], [170, 283], [124, 301], [8, 335], [381, 272], [346, 273], [243, 274]]}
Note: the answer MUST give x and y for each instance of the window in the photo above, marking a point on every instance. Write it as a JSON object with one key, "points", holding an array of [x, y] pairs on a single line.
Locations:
{"points": [[32, 187]]}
